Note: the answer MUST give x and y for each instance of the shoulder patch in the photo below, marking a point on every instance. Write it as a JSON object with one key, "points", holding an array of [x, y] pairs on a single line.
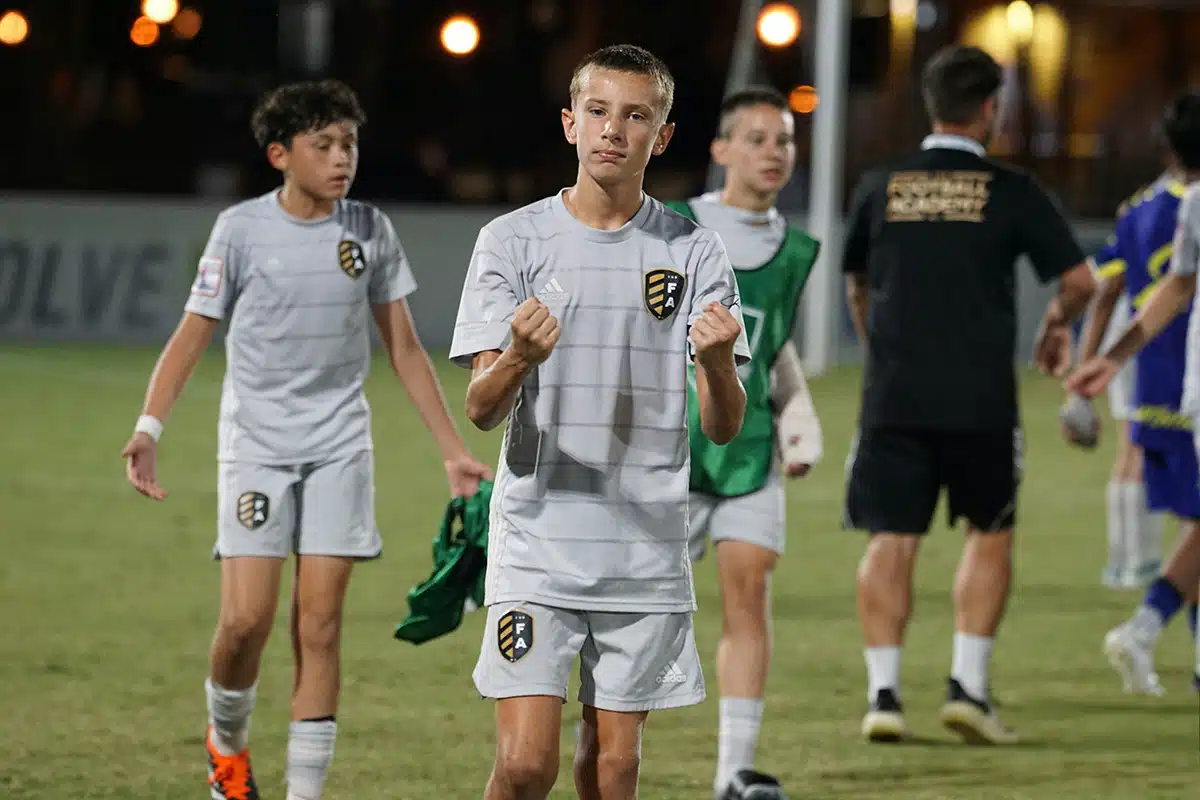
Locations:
{"points": [[208, 276]]}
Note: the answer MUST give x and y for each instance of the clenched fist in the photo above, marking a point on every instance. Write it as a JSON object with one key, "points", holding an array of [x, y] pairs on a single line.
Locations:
{"points": [[713, 334], [534, 331]]}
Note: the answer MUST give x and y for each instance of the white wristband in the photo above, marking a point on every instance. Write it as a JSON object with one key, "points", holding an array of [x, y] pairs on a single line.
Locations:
{"points": [[150, 426]]}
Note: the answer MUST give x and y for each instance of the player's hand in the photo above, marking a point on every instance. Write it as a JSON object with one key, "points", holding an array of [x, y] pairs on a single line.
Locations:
{"points": [[800, 443], [464, 473], [534, 331], [1092, 376], [141, 454], [1052, 350], [713, 334]]}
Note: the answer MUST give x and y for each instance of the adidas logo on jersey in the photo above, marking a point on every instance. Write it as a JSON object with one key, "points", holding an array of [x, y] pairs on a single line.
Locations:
{"points": [[671, 674], [552, 292]]}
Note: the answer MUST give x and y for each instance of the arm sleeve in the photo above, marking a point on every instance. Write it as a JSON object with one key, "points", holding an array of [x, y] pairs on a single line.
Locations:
{"points": [[489, 299], [857, 245], [215, 288], [1107, 261], [1186, 252], [715, 281], [1045, 235], [391, 277]]}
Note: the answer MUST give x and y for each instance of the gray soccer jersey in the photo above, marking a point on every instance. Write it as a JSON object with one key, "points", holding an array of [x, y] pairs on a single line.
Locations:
{"points": [[590, 506], [752, 238], [296, 294], [1185, 259]]}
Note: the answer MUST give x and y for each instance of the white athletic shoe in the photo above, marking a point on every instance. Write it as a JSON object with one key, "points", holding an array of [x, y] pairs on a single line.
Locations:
{"points": [[1133, 659]]}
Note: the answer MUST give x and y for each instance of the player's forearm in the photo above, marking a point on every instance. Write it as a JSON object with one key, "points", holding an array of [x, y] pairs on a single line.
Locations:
{"points": [[856, 299], [420, 381], [722, 401], [1102, 308], [176, 365], [494, 387], [1166, 302]]}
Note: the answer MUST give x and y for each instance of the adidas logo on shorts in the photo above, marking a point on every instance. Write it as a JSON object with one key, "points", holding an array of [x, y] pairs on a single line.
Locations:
{"points": [[671, 674]]}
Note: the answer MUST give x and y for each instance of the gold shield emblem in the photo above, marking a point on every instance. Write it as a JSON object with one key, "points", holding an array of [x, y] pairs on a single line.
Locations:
{"points": [[663, 291], [350, 255], [253, 508], [514, 635]]}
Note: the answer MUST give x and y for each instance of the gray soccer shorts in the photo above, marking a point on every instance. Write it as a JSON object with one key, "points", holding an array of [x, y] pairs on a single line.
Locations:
{"points": [[757, 518], [321, 509], [628, 661]]}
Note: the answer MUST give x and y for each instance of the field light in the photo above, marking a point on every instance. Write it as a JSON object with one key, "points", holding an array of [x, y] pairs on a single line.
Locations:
{"points": [[460, 35], [187, 23], [160, 11], [144, 32], [803, 99], [14, 28], [778, 25]]}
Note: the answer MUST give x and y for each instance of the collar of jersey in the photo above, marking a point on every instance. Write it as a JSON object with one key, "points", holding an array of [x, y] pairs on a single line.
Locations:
{"points": [[948, 141]]}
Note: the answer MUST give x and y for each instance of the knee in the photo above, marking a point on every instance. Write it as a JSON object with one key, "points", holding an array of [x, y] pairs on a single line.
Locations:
{"points": [[618, 766], [889, 559], [243, 631], [525, 772], [745, 595], [318, 630]]}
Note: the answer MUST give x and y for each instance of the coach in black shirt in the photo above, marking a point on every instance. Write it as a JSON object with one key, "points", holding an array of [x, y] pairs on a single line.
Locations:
{"points": [[930, 260]]}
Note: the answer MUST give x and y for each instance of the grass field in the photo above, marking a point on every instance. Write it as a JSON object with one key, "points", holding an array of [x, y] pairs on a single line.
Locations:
{"points": [[109, 602]]}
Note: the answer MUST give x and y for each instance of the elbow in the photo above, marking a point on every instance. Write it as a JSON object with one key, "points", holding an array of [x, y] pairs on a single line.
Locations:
{"points": [[720, 434], [722, 428], [479, 415]]}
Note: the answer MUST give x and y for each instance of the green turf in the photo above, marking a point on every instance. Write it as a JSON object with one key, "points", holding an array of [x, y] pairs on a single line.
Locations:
{"points": [[110, 599]]}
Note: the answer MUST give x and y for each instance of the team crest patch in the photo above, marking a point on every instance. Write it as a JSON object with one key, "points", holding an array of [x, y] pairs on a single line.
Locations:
{"points": [[350, 255], [253, 508], [514, 635], [663, 291]]}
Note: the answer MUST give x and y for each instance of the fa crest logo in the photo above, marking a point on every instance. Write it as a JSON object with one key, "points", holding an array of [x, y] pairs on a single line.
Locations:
{"points": [[350, 255], [253, 508], [514, 635], [663, 291]]}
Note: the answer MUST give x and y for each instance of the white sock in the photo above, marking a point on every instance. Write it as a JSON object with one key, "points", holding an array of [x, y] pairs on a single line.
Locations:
{"points": [[970, 664], [1143, 530], [883, 670], [737, 737], [229, 714], [1115, 502], [1146, 624], [309, 754]]}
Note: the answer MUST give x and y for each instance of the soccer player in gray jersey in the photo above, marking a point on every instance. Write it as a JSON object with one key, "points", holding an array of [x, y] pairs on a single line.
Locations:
{"points": [[297, 273], [578, 316], [755, 144]]}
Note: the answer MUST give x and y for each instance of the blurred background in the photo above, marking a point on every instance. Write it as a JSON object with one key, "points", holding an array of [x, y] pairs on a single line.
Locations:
{"points": [[126, 121]]}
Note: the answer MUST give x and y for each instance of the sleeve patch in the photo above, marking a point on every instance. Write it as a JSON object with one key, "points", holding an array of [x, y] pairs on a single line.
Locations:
{"points": [[208, 276]]}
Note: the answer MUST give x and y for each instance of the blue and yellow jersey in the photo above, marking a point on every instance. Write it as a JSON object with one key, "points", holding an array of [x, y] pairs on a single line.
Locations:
{"points": [[1141, 250]]}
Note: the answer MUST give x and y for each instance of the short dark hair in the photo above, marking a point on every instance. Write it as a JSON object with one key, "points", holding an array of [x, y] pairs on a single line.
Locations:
{"points": [[747, 98], [1181, 128], [632, 59], [957, 81], [298, 108]]}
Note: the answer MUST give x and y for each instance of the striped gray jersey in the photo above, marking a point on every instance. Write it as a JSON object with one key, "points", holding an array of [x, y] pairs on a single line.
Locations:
{"points": [[752, 238], [297, 295], [1185, 259], [590, 506]]}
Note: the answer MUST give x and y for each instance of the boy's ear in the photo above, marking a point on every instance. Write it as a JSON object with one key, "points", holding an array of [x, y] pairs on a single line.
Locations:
{"points": [[278, 156]]}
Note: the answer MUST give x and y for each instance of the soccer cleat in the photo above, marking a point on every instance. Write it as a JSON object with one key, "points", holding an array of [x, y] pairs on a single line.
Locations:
{"points": [[884, 721], [229, 777], [750, 784], [1133, 659], [974, 720]]}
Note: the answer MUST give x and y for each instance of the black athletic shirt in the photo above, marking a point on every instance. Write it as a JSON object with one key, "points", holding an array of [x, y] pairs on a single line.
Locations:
{"points": [[938, 236]]}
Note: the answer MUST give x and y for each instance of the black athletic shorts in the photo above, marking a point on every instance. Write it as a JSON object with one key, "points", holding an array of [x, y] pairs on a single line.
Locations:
{"points": [[896, 475]]}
